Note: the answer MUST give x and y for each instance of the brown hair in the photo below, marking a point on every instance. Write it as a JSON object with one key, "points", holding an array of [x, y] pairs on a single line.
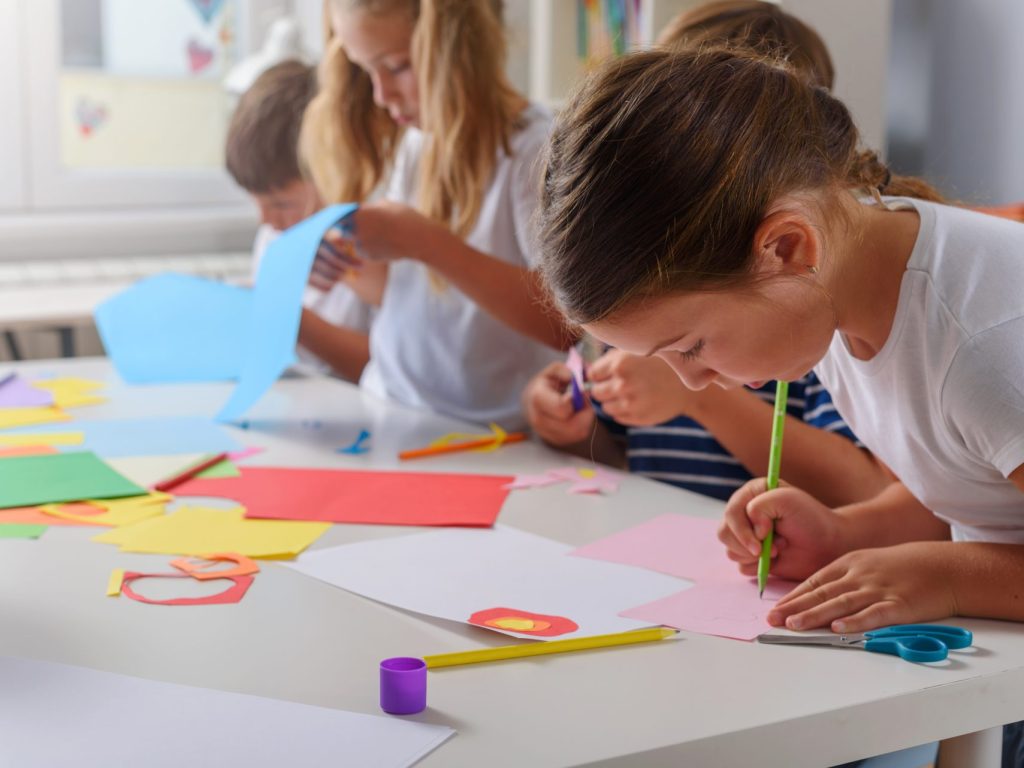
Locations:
{"points": [[762, 27], [262, 147], [468, 111], [664, 164]]}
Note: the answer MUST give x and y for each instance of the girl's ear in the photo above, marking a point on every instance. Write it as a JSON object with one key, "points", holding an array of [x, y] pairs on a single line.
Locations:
{"points": [[787, 242]]}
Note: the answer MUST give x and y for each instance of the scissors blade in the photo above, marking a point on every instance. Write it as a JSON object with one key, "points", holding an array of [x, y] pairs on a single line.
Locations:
{"points": [[830, 639]]}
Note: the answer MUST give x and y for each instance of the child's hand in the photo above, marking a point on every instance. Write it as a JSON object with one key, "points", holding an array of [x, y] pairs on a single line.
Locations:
{"points": [[808, 535], [548, 402], [872, 588], [639, 391], [387, 231], [335, 260]]}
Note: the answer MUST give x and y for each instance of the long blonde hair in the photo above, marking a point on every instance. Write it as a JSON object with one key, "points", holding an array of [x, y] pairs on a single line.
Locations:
{"points": [[468, 110]]}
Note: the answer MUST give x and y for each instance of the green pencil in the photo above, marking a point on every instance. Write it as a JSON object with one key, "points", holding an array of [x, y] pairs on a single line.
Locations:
{"points": [[764, 562]]}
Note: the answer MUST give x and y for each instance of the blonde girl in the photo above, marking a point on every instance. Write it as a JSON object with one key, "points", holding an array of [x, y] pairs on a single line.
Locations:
{"points": [[416, 91]]}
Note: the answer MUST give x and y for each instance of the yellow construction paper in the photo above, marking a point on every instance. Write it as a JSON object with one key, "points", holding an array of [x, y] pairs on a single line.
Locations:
{"points": [[71, 392], [43, 438], [23, 417], [115, 582], [199, 530]]}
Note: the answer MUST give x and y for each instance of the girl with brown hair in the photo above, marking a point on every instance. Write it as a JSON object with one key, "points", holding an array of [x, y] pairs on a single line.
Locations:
{"points": [[713, 208], [415, 91]]}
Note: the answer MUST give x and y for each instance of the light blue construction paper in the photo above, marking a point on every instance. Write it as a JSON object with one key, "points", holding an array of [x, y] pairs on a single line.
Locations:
{"points": [[114, 438], [277, 308], [176, 328]]}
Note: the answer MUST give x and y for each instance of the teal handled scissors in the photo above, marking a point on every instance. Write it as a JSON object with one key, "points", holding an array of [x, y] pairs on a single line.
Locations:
{"points": [[913, 642]]}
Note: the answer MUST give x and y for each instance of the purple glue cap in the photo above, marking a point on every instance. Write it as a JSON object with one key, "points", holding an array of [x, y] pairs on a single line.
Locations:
{"points": [[403, 685]]}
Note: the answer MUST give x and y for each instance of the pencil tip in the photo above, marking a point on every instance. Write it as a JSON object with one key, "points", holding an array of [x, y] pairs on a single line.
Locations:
{"points": [[760, 594]]}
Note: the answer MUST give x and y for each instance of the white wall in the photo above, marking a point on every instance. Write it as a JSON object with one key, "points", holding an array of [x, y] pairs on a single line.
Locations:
{"points": [[857, 34]]}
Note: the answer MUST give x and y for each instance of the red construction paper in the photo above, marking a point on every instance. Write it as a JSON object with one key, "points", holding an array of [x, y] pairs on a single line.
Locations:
{"points": [[230, 595], [349, 496]]}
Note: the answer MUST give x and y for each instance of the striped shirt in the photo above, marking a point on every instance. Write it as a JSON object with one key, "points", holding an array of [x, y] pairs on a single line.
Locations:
{"points": [[681, 452]]}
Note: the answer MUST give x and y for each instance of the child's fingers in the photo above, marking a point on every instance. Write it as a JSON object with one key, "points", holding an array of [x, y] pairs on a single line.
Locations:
{"points": [[341, 248], [737, 525]]}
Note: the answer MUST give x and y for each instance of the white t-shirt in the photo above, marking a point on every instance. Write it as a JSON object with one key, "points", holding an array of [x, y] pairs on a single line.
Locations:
{"points": [[436, 348], [942, 403], [338, 306]]}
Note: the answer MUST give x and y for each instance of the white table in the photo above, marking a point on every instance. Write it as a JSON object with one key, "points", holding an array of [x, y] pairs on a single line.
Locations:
{"points": [[698, 701]]}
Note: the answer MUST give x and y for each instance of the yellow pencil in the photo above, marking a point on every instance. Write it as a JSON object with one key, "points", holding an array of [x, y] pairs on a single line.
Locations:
{"points": [[555, 646]]}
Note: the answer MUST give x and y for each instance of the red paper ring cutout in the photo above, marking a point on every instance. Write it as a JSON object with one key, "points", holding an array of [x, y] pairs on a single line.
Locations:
{"points": [[232, 594]]}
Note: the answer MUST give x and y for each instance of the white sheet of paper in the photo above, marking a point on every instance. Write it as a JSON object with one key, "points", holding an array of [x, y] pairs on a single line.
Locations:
{"points": [[55, 715], [455, 572]]}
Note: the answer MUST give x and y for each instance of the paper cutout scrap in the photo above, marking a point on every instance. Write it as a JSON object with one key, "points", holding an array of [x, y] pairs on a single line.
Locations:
{"points": [[195, 567], [15, 392], [36, 516], [523, 622], [273, 325], [108, 514], [497, 436], [234, 593], [358, 447], [114, 582], [173, 328], [24, 417], [723, 602], [116, 438], [28, 450], [207, 9], [71, 391], [225, 468], [196, 531], [359, 496], [36, 439], [245, 453], [31, 480], [596, 480], [21, 531]]}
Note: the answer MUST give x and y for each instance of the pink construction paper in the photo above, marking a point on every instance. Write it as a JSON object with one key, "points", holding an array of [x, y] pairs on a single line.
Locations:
{"points": [[726, 609], [681, 546], [602, 481], [245, 453], [15, 392]]}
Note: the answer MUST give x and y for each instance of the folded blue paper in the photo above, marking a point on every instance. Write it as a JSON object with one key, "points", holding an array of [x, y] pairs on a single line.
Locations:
{"points": [[277, 307], [176, 328]]}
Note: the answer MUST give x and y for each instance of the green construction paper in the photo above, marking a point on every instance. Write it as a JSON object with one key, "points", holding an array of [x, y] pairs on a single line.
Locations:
{"points": [[29, 480], [21, 531], [224, 468]]}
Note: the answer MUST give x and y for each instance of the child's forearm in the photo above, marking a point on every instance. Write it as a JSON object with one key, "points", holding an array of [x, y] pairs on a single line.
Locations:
{"points": [[345, 350], [892, 517], [987, 579], [514, 295], [826, 465]]}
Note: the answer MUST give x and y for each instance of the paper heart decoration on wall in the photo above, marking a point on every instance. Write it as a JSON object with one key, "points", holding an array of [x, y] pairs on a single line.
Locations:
{"points": [[207, 9], [89, 115], [199, 56]]}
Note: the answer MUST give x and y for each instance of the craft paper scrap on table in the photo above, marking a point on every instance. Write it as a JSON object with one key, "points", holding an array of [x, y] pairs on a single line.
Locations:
{"points": [[15, 392], [111, 513], [355, 496], [501, 578], [176, 726], [36, 414], [273, 322], [11, 441], [198, 531], [233, 592], [29, 480], [175, 328], [21, 531], [71, 391], [114, 438], [580, 479], [723, 601]]}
